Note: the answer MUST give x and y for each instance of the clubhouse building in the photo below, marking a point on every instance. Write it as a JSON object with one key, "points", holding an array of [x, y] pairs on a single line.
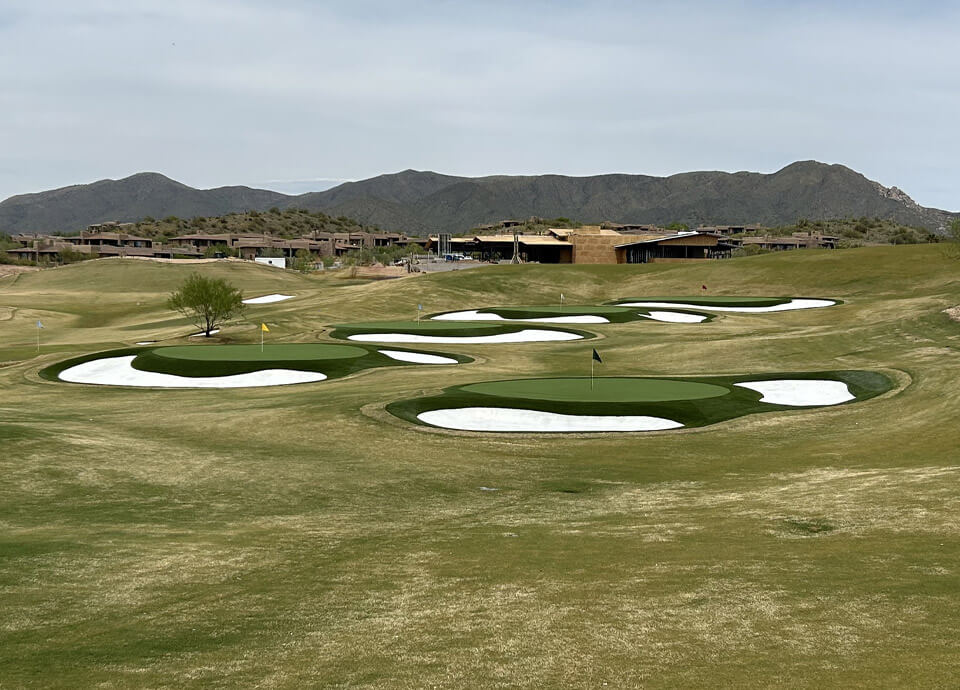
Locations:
{"points": [[115, 240], [608, 243], [594, 245]]}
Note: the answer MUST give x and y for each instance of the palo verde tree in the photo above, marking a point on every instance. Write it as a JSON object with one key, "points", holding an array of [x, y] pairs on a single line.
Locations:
{"points": [[207, 302], [951, 243]]}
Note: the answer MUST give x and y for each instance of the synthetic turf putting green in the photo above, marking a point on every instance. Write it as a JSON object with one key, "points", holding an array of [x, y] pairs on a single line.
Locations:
{"points": [[690, 401], [732, 304], [548, 314], [730, 301], [605, 389], [252, 353], [451, 329], [203, 361], [610, 312]]}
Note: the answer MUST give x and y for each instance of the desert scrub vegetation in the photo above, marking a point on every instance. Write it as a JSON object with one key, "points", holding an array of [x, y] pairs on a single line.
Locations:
{"points": [[290, 222]]}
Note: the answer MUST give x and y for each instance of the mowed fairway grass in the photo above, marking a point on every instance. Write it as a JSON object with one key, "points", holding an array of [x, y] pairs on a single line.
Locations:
{"points": [[302, 536]]}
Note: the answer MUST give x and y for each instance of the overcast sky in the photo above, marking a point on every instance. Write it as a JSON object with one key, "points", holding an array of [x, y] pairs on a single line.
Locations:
{"points": [[295, 95]]}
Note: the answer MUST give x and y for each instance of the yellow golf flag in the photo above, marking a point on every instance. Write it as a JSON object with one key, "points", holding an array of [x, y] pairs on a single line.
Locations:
{"points": [[263, 327]]}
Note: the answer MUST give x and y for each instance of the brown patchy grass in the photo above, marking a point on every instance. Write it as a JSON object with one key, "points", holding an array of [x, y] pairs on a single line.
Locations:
{"points": [[283, 538]]}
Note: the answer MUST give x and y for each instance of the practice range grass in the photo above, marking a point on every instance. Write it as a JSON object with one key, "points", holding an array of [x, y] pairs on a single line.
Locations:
{"points": [[223, 360], [690, 401], [302, 536]]}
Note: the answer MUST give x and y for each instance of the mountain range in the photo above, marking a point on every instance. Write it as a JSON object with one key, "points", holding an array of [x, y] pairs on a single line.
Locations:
{"points": [[418, 202]]}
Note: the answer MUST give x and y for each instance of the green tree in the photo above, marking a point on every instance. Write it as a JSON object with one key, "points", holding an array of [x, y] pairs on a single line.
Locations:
{"points": [[70, 256], [207, 302], [953, 247], [218, 249], [749, 250], [304, 261], [678, 227]]}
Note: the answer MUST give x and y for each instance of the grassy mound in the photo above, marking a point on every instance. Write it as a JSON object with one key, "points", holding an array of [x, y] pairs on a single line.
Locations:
{"points": [[333, 360], [692, 401]]}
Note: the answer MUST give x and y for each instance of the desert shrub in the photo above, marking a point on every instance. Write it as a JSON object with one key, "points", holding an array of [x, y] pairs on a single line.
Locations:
{"points": [[750, 250]]}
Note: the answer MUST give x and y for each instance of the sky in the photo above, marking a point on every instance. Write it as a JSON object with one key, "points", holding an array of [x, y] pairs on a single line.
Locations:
{"points": [[297, 95]]}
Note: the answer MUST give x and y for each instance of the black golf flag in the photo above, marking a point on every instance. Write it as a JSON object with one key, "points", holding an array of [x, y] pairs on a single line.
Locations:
{"points": [[596, 357]]}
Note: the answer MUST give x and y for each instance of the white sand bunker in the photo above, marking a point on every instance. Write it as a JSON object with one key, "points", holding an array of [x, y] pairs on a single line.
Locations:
{"points": [[801, 392], [200, 335], [474, 315], [119, 371], [146, 342], [267, 299], [417, 357], [786, 306], [511, 419], [528, 335], [674, 317]]}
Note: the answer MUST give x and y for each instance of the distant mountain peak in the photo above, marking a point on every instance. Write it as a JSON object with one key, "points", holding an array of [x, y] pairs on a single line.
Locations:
{"points": [[427, 201]]}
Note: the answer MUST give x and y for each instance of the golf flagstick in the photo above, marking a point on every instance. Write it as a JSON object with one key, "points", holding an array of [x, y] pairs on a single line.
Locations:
{"points": [[39, 326], [263, 329], [594, 357]]}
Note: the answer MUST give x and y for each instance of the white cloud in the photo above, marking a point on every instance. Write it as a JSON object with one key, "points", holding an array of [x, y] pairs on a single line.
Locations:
{"points": [[215, 92]]}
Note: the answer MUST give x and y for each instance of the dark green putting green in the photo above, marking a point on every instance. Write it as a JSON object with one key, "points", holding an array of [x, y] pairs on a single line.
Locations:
{"points": [[424, 326], [611, 313], [718, 301], [558, 310], [691, 401], [605, 389], [444, 328], [332, 359], [252, 353]]}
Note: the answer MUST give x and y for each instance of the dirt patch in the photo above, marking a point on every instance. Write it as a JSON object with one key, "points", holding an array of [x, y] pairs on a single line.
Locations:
{"points": [[377, 272], [11, 270], [807, 527]]}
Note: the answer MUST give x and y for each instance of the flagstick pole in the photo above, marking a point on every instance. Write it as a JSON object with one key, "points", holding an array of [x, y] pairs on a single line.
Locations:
{"points": [[38, 340], [261, 339]]}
